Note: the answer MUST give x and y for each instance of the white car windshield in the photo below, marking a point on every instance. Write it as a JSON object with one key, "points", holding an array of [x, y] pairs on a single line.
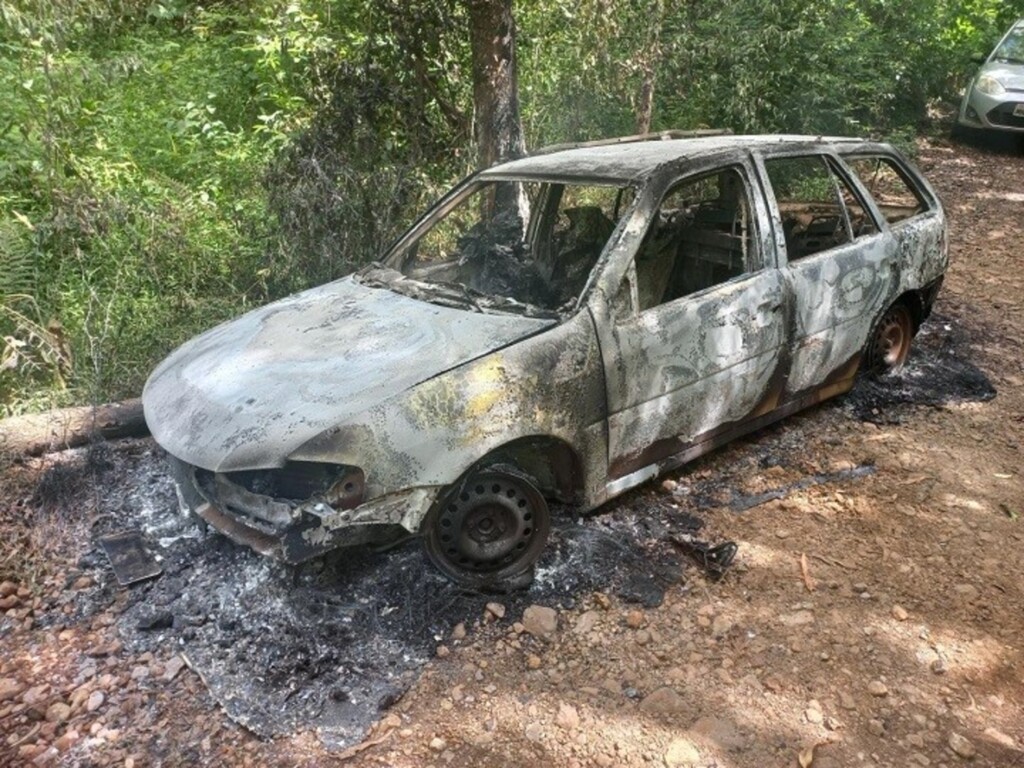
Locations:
{"points": [[1011, 50]]}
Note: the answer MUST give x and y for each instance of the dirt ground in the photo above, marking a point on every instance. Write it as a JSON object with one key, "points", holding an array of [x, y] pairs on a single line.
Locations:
{"points": [[869, 619]]}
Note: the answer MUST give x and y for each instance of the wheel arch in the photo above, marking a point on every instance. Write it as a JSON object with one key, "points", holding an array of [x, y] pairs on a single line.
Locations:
{"points": [[551, 463]]}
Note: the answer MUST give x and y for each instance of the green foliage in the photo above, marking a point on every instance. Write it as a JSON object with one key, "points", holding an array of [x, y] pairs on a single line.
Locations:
{"points": [[164, 165]]}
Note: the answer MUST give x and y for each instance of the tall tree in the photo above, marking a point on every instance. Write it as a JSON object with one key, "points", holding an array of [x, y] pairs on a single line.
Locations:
{"points": [[497, 126]]}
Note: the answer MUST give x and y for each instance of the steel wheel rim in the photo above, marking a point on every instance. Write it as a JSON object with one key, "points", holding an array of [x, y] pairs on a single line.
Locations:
{"points": [[492, 527], [891, 343]]}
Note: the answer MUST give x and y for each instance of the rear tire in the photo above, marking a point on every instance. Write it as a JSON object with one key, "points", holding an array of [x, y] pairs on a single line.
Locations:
{"points": [[889, 345], [489, 530]]}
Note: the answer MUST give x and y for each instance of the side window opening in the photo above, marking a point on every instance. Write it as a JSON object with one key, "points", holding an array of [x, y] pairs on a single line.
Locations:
{"points": [[896, 198], [701, 236], [819, 211]]}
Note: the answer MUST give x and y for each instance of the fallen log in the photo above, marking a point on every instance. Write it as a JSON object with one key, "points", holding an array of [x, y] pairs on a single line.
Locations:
{"points": [[39, 433]]}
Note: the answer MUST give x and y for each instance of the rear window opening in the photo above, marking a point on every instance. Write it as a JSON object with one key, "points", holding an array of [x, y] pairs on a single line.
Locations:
{"points": [[894, 195]]}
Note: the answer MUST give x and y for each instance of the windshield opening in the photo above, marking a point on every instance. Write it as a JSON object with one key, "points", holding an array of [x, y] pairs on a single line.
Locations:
{"points": [[1011, 50], [519, 246]]}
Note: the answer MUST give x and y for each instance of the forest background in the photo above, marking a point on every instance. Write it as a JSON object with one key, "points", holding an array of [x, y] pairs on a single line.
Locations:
{"points": [[167, 165]]}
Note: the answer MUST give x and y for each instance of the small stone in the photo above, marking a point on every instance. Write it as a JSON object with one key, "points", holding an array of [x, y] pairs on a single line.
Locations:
{"points": [[95, 701], [140, 671], [669, 486], [938, 667], [720, 626], [720, 731], [8, 588], [860, 587], [899, 613], [568, 718], [58, 712], [796, 619], [540, 621], [846, 701], [603, 600], [681, 753], [11, 601], [876, 728], [585, 623], [82, 582], [961, 746], [643, 637], [635, 619], [663, 701], [814, 716], [459, 631], [533, 661], [1000, 738], [497, 610], [877, 688], [920, 759], [442, 651], [173, 667], [9, 687], [534, 732], [67, 741], [437, 744]]}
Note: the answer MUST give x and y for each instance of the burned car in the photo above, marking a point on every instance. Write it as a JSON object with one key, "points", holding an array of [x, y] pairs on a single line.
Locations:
{"points": [[557, 329]]}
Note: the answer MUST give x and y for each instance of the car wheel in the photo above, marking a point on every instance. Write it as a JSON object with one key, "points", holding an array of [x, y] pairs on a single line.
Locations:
{"points": [[889, 345], [489, 530]]}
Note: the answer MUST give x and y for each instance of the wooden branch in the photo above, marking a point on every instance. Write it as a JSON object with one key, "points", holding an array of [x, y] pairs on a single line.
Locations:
{"points": [[39, 433]]}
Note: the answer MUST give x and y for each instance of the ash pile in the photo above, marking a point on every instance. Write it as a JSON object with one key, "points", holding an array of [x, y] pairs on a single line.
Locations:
{"points": [[328, 645]]}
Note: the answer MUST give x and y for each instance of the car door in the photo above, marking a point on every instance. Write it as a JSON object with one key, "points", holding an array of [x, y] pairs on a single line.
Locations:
{"points": [[691, 343], [840, 268]]}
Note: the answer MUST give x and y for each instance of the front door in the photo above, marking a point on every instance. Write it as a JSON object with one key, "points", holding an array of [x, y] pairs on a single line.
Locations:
{"points": [[694, 342]]}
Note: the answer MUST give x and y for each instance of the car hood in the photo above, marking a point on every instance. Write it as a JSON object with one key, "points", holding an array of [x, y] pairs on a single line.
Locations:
{"points": [[1010, 75], [248, 393]]}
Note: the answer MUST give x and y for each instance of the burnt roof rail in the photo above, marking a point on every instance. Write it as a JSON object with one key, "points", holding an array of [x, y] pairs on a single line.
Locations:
{"points": [[654, 136]]}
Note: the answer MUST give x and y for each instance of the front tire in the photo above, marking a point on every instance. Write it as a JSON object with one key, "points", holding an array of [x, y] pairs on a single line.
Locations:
{"points": [[489, 530]]}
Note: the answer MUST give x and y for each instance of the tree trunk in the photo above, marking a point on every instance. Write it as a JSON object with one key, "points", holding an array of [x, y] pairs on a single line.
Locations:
{"points": [[645, 102], [497, 130], [39, 433]]}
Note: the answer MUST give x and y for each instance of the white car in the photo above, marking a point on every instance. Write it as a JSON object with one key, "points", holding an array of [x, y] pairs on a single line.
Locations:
{"points": [[994, 100]]}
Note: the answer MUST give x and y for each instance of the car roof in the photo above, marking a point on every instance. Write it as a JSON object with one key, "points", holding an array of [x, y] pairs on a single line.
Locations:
{"points": [[628, 160]]}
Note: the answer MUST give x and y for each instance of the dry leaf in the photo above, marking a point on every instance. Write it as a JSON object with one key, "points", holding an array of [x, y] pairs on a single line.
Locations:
{"points": [[806, 756], [806, 572]]}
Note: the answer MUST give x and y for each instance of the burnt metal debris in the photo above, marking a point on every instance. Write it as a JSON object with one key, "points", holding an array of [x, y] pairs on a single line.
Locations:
{"points": [[638, 305], [129, 557]]}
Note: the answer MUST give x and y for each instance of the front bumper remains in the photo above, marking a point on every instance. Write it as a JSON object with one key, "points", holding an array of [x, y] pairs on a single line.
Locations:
{"points": [[295, 532]]}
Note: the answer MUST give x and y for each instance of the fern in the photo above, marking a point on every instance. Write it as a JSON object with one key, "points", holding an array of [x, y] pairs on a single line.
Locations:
{"points": [[17, 265]]}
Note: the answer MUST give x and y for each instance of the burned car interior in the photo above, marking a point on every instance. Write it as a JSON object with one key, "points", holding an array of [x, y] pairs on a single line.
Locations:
{"points": [[562, 327], [701, 236], [529, 244]]}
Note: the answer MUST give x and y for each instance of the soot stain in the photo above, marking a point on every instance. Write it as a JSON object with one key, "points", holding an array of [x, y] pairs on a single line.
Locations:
{"points": [[938, 372]]}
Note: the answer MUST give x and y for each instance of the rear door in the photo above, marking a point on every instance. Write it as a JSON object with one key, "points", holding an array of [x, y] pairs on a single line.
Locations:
{"points": [[839, 266]]}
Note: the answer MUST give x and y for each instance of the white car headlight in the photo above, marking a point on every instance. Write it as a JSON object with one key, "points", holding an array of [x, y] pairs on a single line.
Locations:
{"points": [[989, 86]]}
